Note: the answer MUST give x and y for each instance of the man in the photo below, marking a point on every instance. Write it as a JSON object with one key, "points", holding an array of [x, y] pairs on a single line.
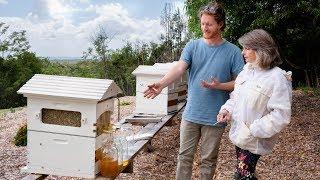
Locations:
{"points": [[209, 58]]}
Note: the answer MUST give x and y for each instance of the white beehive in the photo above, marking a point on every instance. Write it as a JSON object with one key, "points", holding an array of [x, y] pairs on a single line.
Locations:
{"points": [[165, 103], [65, 117], [180, 86]]}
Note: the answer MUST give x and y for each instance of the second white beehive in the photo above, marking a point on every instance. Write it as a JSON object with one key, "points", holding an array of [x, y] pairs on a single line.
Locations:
{"points": [[165, 103]]}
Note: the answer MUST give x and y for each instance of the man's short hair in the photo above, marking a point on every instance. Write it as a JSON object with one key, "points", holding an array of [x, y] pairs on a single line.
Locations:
{"points": [[216, 10]]}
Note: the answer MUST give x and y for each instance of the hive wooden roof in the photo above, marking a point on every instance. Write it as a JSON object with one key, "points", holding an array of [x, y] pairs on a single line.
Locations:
{"points": [[70, 87]]}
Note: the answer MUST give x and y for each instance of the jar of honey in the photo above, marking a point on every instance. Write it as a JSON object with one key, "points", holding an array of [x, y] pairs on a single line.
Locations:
{"points": [[109, 157]]}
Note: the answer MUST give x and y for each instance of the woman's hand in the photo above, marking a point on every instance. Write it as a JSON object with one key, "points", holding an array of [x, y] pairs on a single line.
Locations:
{"points": [[224, 116]]}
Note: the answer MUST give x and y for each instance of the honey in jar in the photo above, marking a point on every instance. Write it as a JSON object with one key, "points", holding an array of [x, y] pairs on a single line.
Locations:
{"points": [[109, 157], [109, 167]]}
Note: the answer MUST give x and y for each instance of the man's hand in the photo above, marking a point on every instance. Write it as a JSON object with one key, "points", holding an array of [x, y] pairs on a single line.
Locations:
{"points": [[214, 84], [224, 116], [153, 90]]}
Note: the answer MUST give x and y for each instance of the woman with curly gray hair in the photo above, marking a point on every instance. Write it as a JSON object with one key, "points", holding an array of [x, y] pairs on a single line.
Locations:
{"points": [[260, 105]]}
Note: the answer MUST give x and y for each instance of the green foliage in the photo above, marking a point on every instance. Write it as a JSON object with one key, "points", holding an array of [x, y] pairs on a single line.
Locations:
{"points": [[120, 66], [14, 72], [124, 61], [4, 112], [289, 18], [310, 91], [175, 36], [12, 44], [100, 50], [87, 68], [125, 103], [20, 139], [17, 66]]}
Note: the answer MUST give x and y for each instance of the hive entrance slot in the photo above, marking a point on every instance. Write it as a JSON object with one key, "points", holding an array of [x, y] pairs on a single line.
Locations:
{"points": [[61, 117]]}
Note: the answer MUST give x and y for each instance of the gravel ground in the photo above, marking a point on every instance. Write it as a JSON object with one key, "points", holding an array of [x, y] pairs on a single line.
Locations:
{"points": [[296, 155]]}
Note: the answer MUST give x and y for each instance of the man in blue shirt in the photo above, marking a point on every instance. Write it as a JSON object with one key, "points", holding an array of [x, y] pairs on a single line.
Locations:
{"points": [[212, 64]]}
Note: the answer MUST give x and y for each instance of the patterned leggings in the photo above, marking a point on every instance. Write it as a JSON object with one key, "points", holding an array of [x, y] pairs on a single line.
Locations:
{"points": [[246, 166]]}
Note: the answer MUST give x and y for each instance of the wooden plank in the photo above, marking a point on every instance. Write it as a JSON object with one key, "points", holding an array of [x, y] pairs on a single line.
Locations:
{"points": [[35, 177], [142, 120], [147, 115]]}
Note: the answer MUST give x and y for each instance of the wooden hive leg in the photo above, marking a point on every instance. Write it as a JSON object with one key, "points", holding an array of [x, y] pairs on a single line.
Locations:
{"points": [[149, 147], [129, 168]]}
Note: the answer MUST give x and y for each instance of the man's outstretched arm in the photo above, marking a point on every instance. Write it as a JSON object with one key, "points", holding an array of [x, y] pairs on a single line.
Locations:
{"points": [[173, 74]]}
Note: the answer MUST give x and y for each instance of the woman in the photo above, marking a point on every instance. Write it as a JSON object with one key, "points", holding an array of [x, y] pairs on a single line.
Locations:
{"points": [[260, 105]]}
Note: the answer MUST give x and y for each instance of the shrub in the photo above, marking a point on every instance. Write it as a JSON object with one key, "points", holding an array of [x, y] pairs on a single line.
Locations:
{"points": [[21, 137], [310, 91], [125, 103]]}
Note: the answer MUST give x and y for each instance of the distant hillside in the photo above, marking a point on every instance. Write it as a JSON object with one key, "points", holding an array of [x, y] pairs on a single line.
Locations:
{"points": [[64, 59]]}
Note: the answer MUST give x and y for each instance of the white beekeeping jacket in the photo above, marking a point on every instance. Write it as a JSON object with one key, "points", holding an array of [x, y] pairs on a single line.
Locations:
{"points": [[260, 106]]}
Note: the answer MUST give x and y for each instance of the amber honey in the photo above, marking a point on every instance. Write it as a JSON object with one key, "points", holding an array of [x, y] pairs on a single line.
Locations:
{"points": [[109, 167], [125, 163], [98, 154]]}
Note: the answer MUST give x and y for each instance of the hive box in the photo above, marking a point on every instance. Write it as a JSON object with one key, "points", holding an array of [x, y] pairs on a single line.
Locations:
{"points": [[65, 117], [165, 103]]}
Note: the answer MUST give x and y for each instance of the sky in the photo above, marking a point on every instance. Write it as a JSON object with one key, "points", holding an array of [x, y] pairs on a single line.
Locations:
{"points": [[62, 28]]}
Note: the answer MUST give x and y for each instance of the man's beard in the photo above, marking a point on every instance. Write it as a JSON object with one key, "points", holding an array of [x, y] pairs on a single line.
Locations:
{"points": [[210, 35]]}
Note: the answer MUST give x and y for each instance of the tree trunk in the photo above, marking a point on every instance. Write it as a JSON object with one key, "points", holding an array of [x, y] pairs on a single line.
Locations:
{"points": [[317, 78], [105, 66], [307, 78]]}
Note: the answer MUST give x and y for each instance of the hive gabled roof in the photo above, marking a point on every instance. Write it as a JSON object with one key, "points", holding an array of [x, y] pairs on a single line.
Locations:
{"points": [[169, 64], [70, 87], [149, 70]]}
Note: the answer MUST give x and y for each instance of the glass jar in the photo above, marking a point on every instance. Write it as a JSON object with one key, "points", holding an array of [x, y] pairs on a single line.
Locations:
{"points": [[109, 157], [127, 133], [121, 145]]}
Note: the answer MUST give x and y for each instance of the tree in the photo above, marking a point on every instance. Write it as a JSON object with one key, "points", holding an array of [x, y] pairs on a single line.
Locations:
{"points": [[124, 61], [14, 72], [175, 33], [294, 24], [17, 66], [100, 50], [12, 44]]}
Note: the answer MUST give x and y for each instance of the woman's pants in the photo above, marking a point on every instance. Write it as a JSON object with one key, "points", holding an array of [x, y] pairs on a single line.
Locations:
{"points": [[246, 164]]}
